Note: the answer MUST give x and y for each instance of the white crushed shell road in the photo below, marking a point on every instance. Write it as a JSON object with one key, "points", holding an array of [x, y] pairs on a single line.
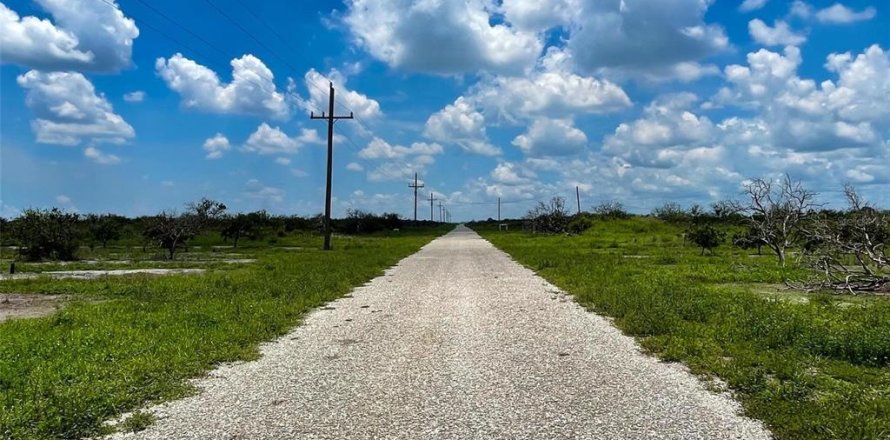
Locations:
{"points": [[457, 341]]}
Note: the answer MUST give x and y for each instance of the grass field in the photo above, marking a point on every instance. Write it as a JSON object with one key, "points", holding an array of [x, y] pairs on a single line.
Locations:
{"points": [[126, 341], [809, 365]]}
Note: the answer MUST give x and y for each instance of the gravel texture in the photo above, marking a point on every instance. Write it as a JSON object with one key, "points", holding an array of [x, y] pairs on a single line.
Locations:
{"points": [[456, 341]]}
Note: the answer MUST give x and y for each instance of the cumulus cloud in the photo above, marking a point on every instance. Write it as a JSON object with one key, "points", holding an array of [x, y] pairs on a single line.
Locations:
{"points": [[400, 161], [778, 35], [664, 136], [137, 96], [354, 166], [216, 146], [440, 37], [251, 91], [850, 112], [551, 137], [318, 84], [751, 5], [643, 35], [271, 140], [99, 157], [267, 195], [86, 35], [461, 124], [380, 149], [840, 14], [69, 111]]}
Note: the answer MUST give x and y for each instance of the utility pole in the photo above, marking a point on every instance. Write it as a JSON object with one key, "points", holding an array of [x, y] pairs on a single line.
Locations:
{"points": [[440, 210], [327, 198], [499, 209], [415, 186], [578, 197], [431, 206]]}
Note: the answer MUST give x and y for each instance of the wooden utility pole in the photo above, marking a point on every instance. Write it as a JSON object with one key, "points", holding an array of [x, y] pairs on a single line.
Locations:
{"points": [[578, 197], [440, 210], [431, 206], [327, 199], [499, 209], [415, 186]]}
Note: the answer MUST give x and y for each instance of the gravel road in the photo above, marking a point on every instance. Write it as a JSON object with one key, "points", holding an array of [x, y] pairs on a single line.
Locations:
{"points": [[456, 341]]}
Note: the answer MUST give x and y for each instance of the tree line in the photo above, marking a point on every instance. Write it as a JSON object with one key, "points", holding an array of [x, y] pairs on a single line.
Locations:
{"points": [[846, 248], [54, 234]]}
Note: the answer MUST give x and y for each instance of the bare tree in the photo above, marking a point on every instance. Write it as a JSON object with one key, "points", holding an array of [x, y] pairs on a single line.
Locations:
{"points": [[849, 249], [549, 217], [776, 211], [610, 209], [171, 231]]}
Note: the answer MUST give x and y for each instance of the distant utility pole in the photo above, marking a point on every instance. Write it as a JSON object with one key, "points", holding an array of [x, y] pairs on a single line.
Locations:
{"points": [[578, 197], [327, 198], [431, 206], [415, 186], [441, 210], [499, 209]]}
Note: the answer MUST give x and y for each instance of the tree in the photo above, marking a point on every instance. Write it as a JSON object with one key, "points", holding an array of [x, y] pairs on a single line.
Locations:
{"points": [[671, 212], [706, 236], [610, 209], [243, 225], [549, 217], [776, 211], [748, 240], [46, 233], [849, 250], [171, 231], [103, 228]]}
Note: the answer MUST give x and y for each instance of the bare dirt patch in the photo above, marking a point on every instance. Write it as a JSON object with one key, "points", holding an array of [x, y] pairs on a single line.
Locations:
{"points": [[93, 274], [16, 305]]}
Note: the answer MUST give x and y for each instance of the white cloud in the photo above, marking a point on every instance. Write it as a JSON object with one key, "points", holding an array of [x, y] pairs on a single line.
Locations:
{"points": [[354, 166], [538, 15], [551, 88], [442, 37], [840, 14], [99, 157], [269, 140], [400, 161], [69, 111], [643, 36], [137, 96], [282, 161], [62, 199], [216, 146], [461, 124], [664, 135], [380, 149], [551, 137], [298, 172], [256, 190], [252, 90], [87, 35], [752, 5], [318, 85], [778, 35]]}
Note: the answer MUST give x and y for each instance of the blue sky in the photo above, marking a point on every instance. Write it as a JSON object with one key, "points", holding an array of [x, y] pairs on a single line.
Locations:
{"points": [[136, 106]]}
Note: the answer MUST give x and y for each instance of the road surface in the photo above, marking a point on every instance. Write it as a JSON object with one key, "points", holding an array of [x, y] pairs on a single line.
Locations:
{"points": [[457, 341]]}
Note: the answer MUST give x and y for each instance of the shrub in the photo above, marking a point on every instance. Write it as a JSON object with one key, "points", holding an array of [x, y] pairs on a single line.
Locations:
{"points": [[579, 224], [48, 234], [707, 237], [611, 209], [549, 217]]}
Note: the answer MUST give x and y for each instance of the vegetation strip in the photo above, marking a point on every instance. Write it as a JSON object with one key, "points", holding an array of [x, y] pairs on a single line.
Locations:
{"points": [[63, 375], [809, 365]]}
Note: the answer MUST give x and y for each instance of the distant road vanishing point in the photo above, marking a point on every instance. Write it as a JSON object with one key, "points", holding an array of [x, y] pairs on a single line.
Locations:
{"points": [[456, 341]]}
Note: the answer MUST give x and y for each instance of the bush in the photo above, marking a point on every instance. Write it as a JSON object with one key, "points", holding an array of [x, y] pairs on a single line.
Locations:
{"points": [[47, 234], [707, 237], [671, 212], [579, 224], [549, 217], [611, 209]]}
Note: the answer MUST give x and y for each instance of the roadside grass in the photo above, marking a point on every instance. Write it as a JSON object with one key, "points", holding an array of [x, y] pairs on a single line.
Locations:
{"points": [[815, 368], [61, 376]]}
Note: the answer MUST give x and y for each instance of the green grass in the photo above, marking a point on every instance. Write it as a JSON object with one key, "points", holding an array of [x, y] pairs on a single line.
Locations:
{"points": [[63, 375], [812, 368]]}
